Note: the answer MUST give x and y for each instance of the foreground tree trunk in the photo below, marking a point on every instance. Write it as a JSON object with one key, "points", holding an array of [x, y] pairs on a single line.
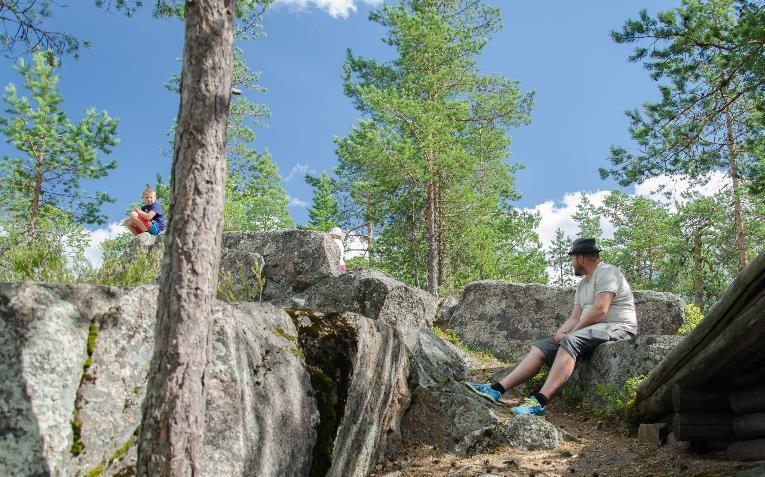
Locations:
{"points": [[174, 410]]}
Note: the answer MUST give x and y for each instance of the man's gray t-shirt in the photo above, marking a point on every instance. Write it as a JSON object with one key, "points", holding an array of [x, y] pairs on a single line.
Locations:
{"points": [[608, 278]]}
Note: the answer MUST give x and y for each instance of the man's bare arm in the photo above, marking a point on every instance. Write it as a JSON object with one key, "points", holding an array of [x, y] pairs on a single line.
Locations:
{"points": [[597, 311], [569, 324]]}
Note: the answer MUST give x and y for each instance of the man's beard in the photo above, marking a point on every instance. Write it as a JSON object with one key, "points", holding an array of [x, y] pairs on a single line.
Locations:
{"points": [[578, 272]]}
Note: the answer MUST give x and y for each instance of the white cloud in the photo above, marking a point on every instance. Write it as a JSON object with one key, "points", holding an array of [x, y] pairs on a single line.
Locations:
{"points": [[295, 202], [666, 189], [299, 170], [335, 8], [93, 251], [559, 215]]}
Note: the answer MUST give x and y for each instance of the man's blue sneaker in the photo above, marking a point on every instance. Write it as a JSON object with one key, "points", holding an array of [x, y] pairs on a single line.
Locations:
{"points": [[530, 406], [484, 390]]}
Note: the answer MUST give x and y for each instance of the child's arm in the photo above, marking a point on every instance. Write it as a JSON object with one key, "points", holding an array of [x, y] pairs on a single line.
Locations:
{"points": [[146, 215]]}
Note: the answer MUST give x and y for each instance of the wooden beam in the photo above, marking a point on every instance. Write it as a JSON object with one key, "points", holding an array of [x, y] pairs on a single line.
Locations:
{"points": [[750, 426], [653, 434], [748, 400], [704, 427], [747, 450], [686, 400]]}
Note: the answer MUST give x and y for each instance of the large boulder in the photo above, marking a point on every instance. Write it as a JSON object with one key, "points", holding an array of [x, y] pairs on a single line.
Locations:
{"points": [[359, 369], [507, 318], [294, 260], [453, 419], [433, 361], [376, 295], [75, 364], [450, 418], [600, 377], [43, 348]]}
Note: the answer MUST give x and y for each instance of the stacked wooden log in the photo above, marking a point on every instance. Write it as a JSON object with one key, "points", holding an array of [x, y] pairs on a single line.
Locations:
{"points": [[714, 420], [711, 387]]}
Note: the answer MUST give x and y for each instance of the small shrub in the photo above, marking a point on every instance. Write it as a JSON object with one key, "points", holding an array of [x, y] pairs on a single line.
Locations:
{"points": [[482, 356], [243, 288], [535, 384], [693, 317], [120, 271], [618, 403]]}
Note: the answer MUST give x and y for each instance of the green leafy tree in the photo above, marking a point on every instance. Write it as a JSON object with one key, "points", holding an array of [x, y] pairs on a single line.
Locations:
{"points": [[703, 54], [642, 234], [587, 216], [325, 211], [55, 155], [559, 260], [433, 125]]}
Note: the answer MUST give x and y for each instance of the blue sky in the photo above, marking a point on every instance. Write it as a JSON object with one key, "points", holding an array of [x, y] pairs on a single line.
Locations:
{"points": [[562, 51]]}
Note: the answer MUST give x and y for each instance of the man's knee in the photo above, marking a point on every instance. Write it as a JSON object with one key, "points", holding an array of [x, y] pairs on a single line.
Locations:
{"points": [[537, 353]]}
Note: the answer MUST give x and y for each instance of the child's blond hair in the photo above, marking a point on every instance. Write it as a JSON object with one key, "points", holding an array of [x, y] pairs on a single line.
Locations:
{"points": [[150, 190]]}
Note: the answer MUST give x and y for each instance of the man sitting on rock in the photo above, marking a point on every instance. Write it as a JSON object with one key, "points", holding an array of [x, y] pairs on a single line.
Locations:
{"points": [[604, 310]]}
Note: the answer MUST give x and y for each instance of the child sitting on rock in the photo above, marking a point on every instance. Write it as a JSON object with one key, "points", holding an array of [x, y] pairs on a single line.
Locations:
{"points": [[337, 237], [149, 218]]}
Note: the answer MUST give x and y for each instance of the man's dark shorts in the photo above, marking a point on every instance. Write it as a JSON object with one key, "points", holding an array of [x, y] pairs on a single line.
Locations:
{"points": [[583, 341]]}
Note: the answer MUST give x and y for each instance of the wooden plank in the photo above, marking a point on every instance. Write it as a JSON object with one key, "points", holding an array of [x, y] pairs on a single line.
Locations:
{"points": [[704, 427], [747, 450], [653, 434], [686, 400], [747, 284], [750, 426], [747, 332], [744, 401]]}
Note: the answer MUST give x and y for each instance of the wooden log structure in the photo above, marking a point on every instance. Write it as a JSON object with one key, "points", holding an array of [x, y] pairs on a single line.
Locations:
{"points": [[700, 401], [749, 400], [704, 427], [726, 350], [750, 426], [747, 450]]}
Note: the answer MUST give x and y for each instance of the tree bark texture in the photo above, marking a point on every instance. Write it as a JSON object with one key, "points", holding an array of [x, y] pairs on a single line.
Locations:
{"points": [[174, 410], [36, 195], [432, 245], [738, 215]]}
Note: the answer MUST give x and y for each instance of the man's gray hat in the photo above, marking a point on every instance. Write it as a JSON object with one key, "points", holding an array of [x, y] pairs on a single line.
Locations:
{"points": [[583, 246]]}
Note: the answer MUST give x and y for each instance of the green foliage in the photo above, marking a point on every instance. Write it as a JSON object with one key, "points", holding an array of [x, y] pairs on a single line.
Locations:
{"points": [[693, 317], [54, 252], [559, 260], [55, 155], [705, 56], [587, 216], [123, 269], [428, 163], [244, 287], [24, 30], [535, 384], [324, 212], [615, 403]]}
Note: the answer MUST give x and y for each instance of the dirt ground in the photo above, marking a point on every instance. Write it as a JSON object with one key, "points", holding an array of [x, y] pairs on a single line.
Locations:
{"points": [[601, 449]]}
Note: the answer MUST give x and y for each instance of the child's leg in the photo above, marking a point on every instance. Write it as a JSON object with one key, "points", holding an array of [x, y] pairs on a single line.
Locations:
{"points": [[128, 223], [138, 223]]}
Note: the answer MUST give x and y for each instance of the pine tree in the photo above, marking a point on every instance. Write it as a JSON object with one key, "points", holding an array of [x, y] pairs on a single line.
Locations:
{"points": [[559, 260], [55, 154], [587, 216], [324, 212], [173, 421], [434, 125], [710, 114]]}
